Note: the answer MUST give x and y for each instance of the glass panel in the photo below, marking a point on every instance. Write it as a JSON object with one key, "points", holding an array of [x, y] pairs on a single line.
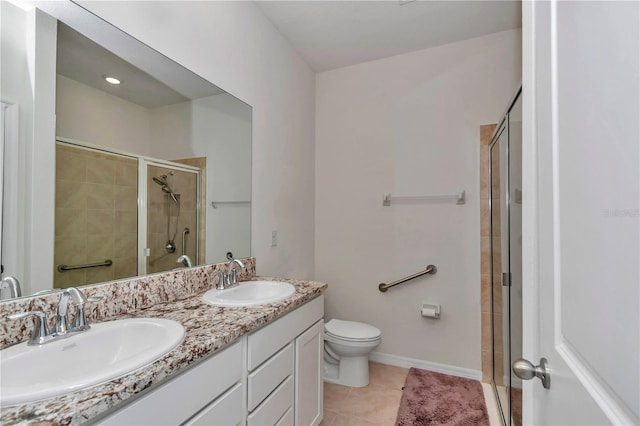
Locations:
{"points": [[96, 217], [515, 257], [172, 202], [500, 263]]}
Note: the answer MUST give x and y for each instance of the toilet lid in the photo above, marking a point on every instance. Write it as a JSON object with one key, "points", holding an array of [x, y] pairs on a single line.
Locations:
{"points": [[352, 330]]}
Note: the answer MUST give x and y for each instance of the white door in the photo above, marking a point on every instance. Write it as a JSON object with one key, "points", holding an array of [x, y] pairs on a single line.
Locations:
{"points": [[9, 191], [3, 108], [581, 299]]}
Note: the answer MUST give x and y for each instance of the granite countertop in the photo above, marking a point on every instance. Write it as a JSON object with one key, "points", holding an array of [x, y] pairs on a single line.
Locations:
{"points": [[208, 329]]}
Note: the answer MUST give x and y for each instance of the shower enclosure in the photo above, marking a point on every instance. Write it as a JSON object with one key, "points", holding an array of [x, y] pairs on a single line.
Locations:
{"points": [[120, 215], [505, 204], [172, 215]]}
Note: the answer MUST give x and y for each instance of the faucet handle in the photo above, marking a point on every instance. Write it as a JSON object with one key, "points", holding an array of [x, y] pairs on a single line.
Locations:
{"points": [[40, 329], [222, 278], [80, 321], [232, 274]]}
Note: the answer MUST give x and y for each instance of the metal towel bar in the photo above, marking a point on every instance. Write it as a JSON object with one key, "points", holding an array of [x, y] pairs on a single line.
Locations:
{"points": [[214, 204], [431, 269], [460, 198], [63, 268]]}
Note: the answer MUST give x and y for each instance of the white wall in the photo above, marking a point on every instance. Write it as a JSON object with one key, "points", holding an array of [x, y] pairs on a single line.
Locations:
{"points": [[28, 58], [218, 128], [170, 128], [222, 133], [408, 125], [235, 47], [89, 115], [16, 90]]}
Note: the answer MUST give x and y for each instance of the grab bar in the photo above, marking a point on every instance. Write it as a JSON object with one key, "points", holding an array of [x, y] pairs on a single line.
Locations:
{"points": [[460, 198], [63, 268], [185, 232], [431, 269]]}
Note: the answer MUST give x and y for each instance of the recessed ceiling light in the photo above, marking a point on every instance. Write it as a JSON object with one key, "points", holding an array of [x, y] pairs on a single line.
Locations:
{"points": [[112, 80]]}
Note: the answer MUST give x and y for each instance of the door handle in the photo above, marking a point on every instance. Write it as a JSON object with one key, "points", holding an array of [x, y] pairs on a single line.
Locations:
{"points": [[525, 370]]}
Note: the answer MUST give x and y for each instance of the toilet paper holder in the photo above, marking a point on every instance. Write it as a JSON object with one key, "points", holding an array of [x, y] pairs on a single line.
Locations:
{"points": [[430, 311]]}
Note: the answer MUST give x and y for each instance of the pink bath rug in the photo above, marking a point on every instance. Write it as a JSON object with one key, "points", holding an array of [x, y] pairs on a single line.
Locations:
{"points": [[439, 399]]}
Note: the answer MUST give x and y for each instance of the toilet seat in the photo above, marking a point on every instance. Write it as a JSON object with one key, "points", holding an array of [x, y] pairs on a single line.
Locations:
{"points": [[352, 331]]}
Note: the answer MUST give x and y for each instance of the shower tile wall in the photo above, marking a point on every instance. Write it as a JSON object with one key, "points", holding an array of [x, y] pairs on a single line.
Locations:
{"points": [[96, 215], [161, 209], [486, 132]]}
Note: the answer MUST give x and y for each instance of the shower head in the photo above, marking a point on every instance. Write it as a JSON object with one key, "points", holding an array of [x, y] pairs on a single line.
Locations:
{"points": [[165, 188], [162, 180]]}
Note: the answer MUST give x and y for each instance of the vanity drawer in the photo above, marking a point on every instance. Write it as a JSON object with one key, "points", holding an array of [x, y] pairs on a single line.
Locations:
{"points": [[287, 419], [269, 375], [274, 407], [174, 402], [266, 341], [224, 411]]}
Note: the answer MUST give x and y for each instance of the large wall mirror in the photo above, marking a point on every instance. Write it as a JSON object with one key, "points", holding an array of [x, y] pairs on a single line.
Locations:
{"points": [[152, 171]]}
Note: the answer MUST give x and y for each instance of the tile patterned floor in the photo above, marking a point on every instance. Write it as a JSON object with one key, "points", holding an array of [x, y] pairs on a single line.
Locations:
{"points": [[376, 404]]}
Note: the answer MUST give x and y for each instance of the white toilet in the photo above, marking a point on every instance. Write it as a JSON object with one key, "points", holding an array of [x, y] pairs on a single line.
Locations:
{"points": [[347, 345]]}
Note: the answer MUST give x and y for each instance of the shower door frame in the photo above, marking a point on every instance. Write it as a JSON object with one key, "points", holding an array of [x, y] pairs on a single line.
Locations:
{"points": [[143, 162], [502, 127]]}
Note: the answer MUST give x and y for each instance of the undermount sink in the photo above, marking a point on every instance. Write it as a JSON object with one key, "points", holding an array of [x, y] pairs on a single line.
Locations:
{"points": [[250, 293], [104, 352]]}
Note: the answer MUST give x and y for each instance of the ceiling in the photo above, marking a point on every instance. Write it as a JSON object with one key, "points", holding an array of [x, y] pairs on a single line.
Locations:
{"points": [[85, 61], [334, 34]]}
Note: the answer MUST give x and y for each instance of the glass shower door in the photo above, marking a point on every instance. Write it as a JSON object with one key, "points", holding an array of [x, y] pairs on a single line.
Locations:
{"points": [[515, 257], [172, 216], [506, 253], [499, 160]]}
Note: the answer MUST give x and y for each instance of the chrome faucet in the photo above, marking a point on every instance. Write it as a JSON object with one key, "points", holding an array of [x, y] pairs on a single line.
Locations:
{"points": [[62, 327], [185, 260], [230, 278], [62, 314], [13, 285], [79, 299]]}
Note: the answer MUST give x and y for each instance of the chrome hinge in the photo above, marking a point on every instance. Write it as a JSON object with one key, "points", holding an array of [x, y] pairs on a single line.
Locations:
{"points": [[506, 279]]}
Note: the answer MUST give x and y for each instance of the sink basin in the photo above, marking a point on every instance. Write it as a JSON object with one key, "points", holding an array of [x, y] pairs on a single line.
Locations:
{"points": [[102, 353], [250, 293]]}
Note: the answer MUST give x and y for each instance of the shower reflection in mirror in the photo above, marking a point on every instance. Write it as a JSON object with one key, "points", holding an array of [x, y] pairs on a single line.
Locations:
{"points": [[126, 208]]}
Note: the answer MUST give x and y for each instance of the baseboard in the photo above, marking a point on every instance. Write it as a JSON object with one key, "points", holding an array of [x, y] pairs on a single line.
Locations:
{"points": [[401, 361]]}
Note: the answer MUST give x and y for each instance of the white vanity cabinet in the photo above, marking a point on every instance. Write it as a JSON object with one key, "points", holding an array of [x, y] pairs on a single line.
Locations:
{"points": [[271, 377], [284, 363], [209, 387]]}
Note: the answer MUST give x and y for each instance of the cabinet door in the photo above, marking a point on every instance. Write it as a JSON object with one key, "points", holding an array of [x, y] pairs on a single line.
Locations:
{"points": [[308, 375]]}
